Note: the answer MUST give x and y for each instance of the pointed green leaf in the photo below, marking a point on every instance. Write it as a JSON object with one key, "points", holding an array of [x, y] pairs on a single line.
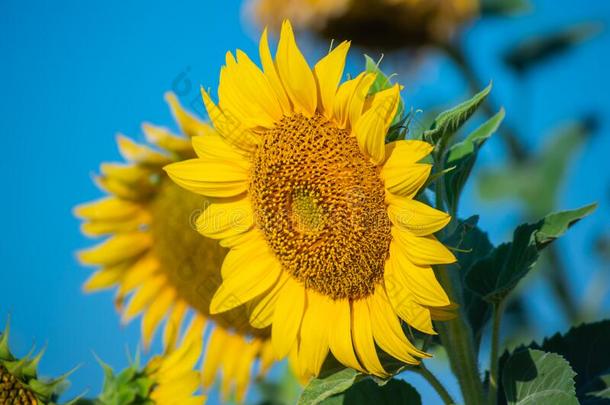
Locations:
{"points": [[494, 276], [463, 156], [449, 122], [5, 351], [534, 377], [367, 392], [324, 387]]}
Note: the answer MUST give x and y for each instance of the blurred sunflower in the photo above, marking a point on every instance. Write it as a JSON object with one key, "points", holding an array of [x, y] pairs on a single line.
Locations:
{"points": [[384, 24], [157, 260], [330, 248]]}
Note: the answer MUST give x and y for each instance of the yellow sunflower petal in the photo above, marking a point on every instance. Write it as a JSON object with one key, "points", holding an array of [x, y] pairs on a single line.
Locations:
{"points": [[107, 209], [215, 147], [245, 92], [105, 278], [387, 330], [296, 76], [287, 318], [405, 180], [362, 336], [417, 282], [242, 255], [164, 138], [137, 153], [350, 97], [213, 354], [372, 127], [415, 217], [116, 249], [250, 282], [143, 297], [328, 72], [340, 335], [226, 219], [188, 123], [317, 320], [157, 310], [173, 324], [404, 152], [422, 250], [230, 126], [359, 97], [219, 178], [405, 306], [271, 73], [261, 315]]}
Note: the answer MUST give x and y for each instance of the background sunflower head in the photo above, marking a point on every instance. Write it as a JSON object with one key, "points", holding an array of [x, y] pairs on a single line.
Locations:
{"points": [[385, 24], [161, 267]]}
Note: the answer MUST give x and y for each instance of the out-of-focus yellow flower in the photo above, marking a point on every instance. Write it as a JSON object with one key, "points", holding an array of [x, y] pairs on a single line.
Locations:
{"points": [[382, 24], [157, 260], [328, 246]]}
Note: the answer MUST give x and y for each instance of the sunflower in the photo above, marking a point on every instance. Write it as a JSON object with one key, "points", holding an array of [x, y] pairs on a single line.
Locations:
{"points": [[328, 246], [379, 24], [19, 380], [161, 266]]}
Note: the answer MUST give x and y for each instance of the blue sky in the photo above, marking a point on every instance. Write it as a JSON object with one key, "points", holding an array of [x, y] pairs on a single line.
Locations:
{"points": [[73, 74]]}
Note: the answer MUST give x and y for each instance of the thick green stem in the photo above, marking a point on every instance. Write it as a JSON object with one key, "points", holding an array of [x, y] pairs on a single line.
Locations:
{"points": [[436, 384], [492, 395]]}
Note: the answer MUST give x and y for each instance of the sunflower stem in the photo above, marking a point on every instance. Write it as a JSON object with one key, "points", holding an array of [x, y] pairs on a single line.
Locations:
{"points": [[493, 356], [435, 383]]}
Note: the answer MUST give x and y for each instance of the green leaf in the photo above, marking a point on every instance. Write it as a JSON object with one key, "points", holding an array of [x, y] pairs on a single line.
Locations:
{"points": [[494, 276], [367, 392], [463, 156], [538, 378], [555, 225], [324, 387], [586, 349], [449, 122], [538, 49]]}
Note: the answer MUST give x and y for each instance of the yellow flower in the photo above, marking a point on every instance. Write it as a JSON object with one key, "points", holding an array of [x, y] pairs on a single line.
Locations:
{"points": [[374, 23], [157, 260], [327, 244]]}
